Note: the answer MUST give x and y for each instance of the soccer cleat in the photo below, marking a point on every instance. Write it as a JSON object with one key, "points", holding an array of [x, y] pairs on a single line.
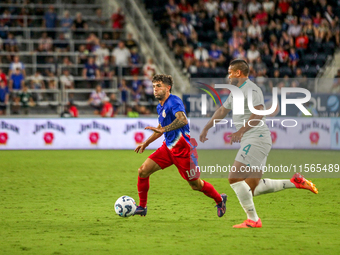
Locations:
{"points": [[141, 211], [301, 183], [221, 208], [249, 224]]}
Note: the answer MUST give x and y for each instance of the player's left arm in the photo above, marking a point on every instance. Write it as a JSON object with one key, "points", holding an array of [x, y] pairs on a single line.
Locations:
{"points": [[180, 121], [253, 119]]}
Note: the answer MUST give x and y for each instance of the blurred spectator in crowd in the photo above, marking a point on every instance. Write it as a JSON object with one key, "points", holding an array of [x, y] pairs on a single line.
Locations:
{"points": [[15, 65], [99, 20], [252, 54], [301, 44], [220, 42], [268, 6], [188, 57], [91, 70], [184, 7], [115, 102], [221, 22], [260, 66], [4, 96], [107, 109], [215, 55], [254, 31], [24, 100], [286, 41], [61, 45], [46, 42], [121, 55], [107, 71], [201, 54], [92, 42], [73, 109], [130, 42], [37, 81], [235, 41], [70, 111], [118, 20], [17, 80], [172, 8], [253, 7], [79, 26], [211, 7], [51, 66], [294, 29], [96, 99], [50, 21], [149, 69], [66, 23], [135, 61], [125, 91], [331, 17], [6, 18], [187, 29], [66, 79], [3, 77], [52, 82], [82, 54], [131, 112], [101, 53], [293, 58], [11, 46], [136, 86], [172, 34]]}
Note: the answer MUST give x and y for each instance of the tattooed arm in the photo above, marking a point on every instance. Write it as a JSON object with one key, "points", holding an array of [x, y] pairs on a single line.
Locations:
{"points": [[180, 121]]}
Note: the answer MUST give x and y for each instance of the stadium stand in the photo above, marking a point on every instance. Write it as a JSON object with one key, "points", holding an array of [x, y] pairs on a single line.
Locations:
{"points": [[61, 51], [282, 37]]}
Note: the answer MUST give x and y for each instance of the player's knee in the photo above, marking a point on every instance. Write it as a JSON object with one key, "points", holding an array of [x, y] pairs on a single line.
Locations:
{"points": [[142, 171], [195, 187]]}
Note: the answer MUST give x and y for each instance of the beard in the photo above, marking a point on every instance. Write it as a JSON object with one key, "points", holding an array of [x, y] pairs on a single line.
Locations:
{"points": [[233, 81], [160, 96]]}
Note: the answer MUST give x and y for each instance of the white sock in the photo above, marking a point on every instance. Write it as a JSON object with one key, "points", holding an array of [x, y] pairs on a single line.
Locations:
{"points": [[244, 195], [269, 186]]}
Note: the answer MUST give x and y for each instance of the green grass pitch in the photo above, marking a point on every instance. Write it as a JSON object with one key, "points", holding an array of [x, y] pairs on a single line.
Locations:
{"points": [[61, 202]]}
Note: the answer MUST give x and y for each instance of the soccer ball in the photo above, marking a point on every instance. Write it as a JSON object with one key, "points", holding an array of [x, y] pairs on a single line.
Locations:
{"points": [[125, 206]]}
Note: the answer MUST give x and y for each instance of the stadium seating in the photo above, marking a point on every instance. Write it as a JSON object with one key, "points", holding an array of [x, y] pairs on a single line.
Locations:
{"points": [[312, 58], [21, 34]]}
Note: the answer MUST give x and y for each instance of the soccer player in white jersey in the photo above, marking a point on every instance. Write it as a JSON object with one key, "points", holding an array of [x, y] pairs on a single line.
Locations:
{"points": [[256, 143]]}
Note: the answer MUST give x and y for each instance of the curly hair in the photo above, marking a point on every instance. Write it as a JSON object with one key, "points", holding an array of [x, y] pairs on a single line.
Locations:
{"points": [[164, 78]]}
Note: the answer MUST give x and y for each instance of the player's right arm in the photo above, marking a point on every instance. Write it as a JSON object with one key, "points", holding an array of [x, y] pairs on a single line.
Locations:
{"points": [[140, 148], [219, 114]]}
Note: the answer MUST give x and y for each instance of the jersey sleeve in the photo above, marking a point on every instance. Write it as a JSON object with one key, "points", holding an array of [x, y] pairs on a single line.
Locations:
{"points": [[228, 104], [257, 97], [177, 106]]}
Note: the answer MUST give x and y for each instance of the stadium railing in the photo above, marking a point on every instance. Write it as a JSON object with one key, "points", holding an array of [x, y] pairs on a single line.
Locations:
{"points": [[35, 32]]}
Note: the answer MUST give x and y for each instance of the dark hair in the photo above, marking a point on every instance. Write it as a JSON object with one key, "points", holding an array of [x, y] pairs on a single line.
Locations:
{"points": [[164, 78], [240, 64]]}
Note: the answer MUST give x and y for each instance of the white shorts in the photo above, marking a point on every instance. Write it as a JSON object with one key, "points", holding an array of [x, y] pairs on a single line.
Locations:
{"points": [[254, 151]]}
